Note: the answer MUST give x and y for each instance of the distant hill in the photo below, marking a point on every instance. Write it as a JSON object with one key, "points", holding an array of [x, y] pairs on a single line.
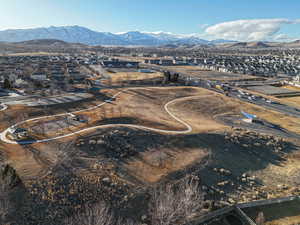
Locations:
{"points": [[47, 45], [43, 42], [51, 43], [246, 45], [294, 44], [257, 45]]}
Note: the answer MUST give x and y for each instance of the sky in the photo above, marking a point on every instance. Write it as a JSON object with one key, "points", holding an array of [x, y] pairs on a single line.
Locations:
{"points": [[242, 20]]}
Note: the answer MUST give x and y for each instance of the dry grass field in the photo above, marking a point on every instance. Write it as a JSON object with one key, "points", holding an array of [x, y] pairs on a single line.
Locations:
{"points": [[120, 78], [293, 88], [195, 71], [295, 101]]}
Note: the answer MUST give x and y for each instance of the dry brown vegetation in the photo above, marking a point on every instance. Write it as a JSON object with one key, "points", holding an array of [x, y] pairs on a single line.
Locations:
{"points": [[168, 204], [176, 205], [98, 214]]}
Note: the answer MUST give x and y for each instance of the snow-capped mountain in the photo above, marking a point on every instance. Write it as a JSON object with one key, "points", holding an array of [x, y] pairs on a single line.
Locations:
{"points": [[77, 34]]}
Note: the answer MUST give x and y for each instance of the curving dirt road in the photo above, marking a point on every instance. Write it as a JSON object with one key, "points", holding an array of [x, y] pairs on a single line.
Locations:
{"points": [[3, 136]]}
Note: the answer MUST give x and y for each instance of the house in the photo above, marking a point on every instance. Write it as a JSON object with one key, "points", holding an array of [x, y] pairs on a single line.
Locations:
{"points": [[20, 83], [38, 76], [297, 79], [166, 62], [181, 62], [154, 61], [146, 71], [77, 76], [58, 76], [94, 90], [59, 79]]}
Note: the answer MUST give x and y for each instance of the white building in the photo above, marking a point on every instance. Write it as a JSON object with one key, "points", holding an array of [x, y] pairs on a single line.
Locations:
{"points": [[38, 77]]}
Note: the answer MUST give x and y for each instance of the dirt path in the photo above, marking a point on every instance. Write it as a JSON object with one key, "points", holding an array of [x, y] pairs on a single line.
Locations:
{"points": [[188, 129]]}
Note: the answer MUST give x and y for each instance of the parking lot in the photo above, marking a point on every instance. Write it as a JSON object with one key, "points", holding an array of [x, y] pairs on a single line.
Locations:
{"points": [[45, 101]]}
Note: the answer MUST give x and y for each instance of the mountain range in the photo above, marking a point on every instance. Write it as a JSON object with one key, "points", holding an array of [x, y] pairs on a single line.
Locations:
{"points": [[78, 34]]}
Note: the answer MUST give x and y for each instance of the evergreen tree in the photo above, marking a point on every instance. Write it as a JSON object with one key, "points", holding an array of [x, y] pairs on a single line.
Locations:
{"points": [[6, 84]]}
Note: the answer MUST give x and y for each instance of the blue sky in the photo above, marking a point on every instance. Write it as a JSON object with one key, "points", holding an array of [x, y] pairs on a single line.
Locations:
{"points": [[176, 16]]}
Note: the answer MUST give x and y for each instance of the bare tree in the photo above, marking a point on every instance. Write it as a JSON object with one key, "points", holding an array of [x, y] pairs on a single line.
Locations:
{"points": [[176, 203], [260, 220], [5, 205], [98, 214], [103, 109], [109, 81], [9, 179]]}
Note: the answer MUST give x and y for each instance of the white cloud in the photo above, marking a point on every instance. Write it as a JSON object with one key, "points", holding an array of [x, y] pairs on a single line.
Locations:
{"points": [[248, 30], [203, 26], [283, 37]]}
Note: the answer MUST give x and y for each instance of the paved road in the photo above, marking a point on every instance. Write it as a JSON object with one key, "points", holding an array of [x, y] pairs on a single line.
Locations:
{"points": [[35, 100], [276, 106], [17, 98], [188, 129]]}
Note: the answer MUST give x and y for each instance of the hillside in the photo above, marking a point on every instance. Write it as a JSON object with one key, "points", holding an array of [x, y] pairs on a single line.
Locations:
{"points": [[47, 45], [245, 45]]}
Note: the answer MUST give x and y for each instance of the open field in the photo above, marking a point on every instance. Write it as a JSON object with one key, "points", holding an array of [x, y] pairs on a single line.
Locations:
{"points": [[293, 88], [211, 75], [125, 77], [293, 101]]}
